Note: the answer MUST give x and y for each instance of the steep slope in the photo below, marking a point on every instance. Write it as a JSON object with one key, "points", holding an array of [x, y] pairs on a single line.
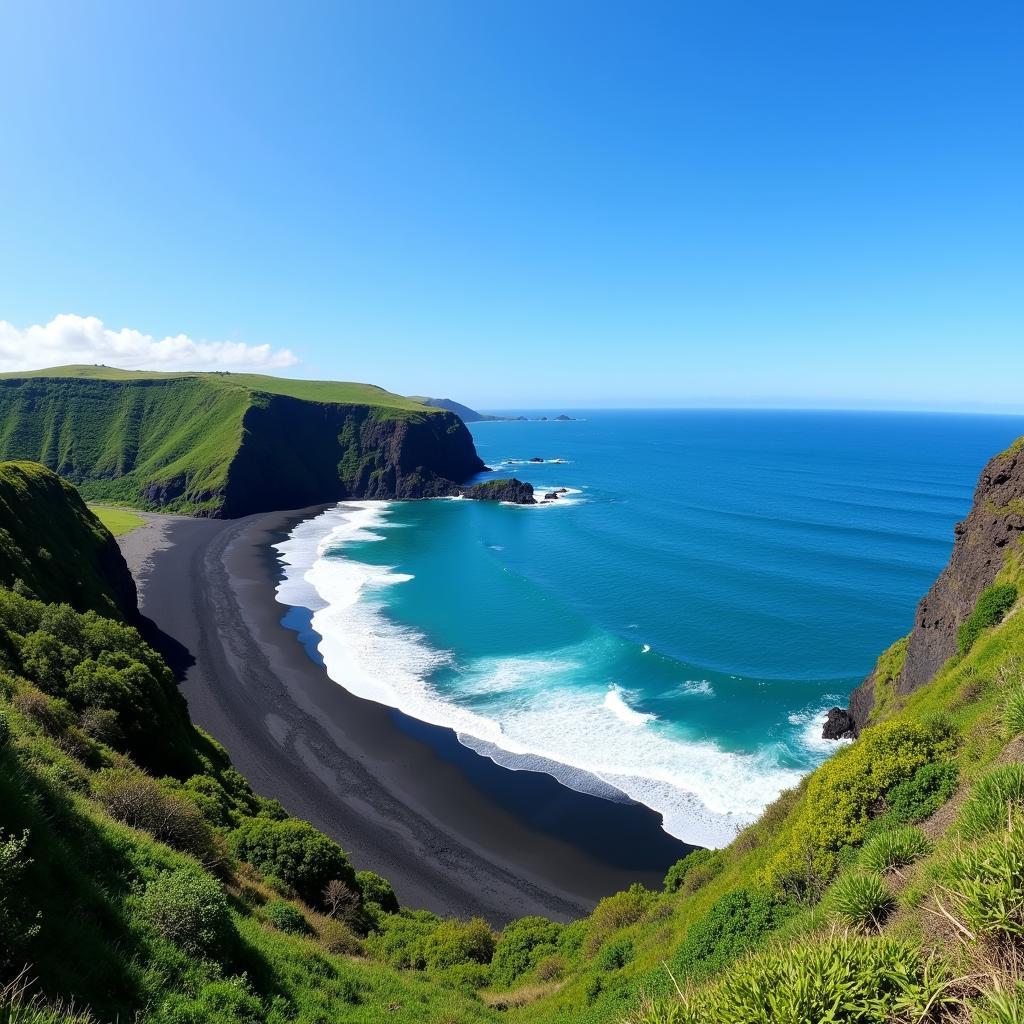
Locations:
{"points": [[55, 547], [464, 412], [983, 539], [230, 444]]}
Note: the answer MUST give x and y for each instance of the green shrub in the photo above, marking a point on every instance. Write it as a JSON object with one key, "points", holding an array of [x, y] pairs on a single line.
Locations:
{"points": [[227, 1001], [17, 917], [996, 800], [893, 849], [137, 800], [921, 795], [458, 942], [520, 945], [187, 907], [989, 610], [401, 938], [376, 889], [615, 954], [843, 981], [286, 917], [862, 900], [294, 852], [338, 937], [842, 795], [1001, 1007], [618, 911], [5, 730], [1013, 711], [678, 872], [986, 884], [733, 925]]}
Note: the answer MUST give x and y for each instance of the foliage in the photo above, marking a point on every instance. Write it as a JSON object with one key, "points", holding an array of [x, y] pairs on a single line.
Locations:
{"points": [[893, 848], [521, 945], [1013, 710], [458, 942], [996, 801], [844, 792], [986, 885], [842, 981], [735, 923], [295, 852], [615, 954], [286, 917], [1001, 1007], [861, 899], [17, 922], [376, 889], [188, 907], [989, 610], [918, 797], [618, 911], [118, 521], [677, 874]]}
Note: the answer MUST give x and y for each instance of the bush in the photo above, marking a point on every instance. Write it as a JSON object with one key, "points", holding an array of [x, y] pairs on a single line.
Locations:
{"points": [[17, 919], [338, 937], [294, 852], [376, 889], [989, 610], [995, 801], [458, 942], [893, 849], [862, 900], [987, 886], [1001, 1007], [520, 945], [618, 911], [923, 793], [678, 872], [733, 925], [5, 730], [843, 981], [1013, 711], [843, 793], [342, 902], [615, 954], [187, 907], [286, 917], [401, 938], [141, 802]]}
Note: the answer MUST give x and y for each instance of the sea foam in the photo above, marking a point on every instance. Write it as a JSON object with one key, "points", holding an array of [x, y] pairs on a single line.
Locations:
{"points": [[591, 739]]}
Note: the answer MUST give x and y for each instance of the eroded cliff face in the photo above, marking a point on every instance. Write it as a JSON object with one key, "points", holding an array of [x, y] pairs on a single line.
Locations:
{"points": [[295, 453], [993, 527]]}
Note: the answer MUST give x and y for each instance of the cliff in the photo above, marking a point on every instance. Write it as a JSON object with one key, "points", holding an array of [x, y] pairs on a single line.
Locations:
{"points": [[219, 444], [56, 548], [983, 541]]}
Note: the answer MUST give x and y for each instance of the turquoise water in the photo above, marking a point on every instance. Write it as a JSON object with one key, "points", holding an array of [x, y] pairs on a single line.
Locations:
{"points": [[675, 627]]}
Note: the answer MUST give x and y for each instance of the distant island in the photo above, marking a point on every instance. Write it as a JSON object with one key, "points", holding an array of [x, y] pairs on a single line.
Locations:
{"points": [[468, 415]]}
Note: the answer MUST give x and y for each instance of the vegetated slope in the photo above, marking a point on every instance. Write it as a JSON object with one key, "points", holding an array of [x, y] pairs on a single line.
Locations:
{"points": [[140, 876], [222, 444], [52, 547], [991, 529]]}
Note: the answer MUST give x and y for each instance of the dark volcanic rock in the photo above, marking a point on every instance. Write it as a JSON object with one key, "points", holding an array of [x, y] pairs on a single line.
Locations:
{"points": [[536, 458], [502, 490], [839, 725], [996, 519], [565, 419], [551, 495]]}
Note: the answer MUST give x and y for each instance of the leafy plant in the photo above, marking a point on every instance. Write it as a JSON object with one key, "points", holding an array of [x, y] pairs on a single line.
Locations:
{"points": [[996, 799], [986, 885], [286, 917], [679, 871], [989, 610], [893, 849], [862, 900], [521, 945], [187, 907], [918, 797]]}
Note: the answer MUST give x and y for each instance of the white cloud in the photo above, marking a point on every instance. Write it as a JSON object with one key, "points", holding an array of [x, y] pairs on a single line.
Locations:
{"points": [[84, 339]]}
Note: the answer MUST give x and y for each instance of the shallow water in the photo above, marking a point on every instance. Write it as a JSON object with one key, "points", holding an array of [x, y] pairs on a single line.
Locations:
{"points": [[674, 627]]}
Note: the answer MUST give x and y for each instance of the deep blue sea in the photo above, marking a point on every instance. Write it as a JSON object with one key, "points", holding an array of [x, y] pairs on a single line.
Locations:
{"points": [[675, 626]]}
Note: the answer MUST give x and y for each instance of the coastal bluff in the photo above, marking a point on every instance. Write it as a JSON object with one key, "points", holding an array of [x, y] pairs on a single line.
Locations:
{"points": [[224, 445]]}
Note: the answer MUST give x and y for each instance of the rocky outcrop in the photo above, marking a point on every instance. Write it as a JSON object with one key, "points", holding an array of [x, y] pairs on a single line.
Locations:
{"points": [[994, 525], [839, 725], [513, 490], [297, 453]]}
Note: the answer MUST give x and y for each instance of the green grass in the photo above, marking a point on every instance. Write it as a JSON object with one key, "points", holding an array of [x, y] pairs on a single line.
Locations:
{"points": [[198, 443], [118, 521]]}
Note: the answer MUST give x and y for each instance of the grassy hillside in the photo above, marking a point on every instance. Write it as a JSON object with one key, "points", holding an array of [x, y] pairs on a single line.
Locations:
{"points": [[222, 443], [53, 547], [118, 521]]}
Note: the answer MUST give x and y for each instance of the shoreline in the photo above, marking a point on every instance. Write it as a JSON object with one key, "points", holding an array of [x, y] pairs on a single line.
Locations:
{"points": [[453, 831]]}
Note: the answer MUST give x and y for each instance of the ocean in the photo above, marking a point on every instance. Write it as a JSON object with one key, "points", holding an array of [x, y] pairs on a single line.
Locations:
{"points": [[673, 628]]}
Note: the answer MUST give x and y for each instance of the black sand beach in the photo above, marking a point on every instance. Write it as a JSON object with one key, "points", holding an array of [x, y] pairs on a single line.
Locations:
{"points": [[452, 831]]}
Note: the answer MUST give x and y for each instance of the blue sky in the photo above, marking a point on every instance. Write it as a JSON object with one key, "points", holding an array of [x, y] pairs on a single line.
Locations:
{"points": [[527, 203]]}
